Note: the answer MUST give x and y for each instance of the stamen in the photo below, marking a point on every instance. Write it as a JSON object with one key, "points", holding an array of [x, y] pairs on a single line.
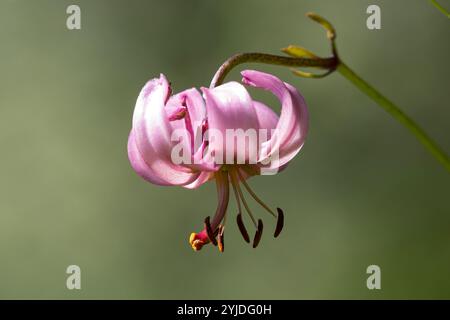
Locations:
{"points": [[236, 195], [254, 195], [242, 228], [220, 235], [223, 190], [280, 223], [210, 232], [220, 239], [258, 234], [239, 220], [224, 222], [236, 186]]}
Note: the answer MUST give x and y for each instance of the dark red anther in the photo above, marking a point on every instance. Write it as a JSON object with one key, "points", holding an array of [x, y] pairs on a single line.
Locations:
{"points": [[209, 231], [258, 234], [280, 223], [242, 228]]}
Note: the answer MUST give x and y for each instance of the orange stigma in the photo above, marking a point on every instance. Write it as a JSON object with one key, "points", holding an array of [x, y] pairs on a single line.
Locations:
{"points": [[197, 240]]}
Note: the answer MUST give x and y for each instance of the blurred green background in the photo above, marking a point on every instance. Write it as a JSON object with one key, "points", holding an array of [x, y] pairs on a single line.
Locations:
{"points": [[362, 191]]}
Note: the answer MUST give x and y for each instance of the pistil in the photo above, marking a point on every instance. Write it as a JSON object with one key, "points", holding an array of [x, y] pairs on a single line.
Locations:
{"points": [[213, 230]]}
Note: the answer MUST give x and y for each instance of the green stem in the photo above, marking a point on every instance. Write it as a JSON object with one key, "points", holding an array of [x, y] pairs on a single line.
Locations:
{"points": [[395, 112], [440, 8], [256, 57], [332, 64]]}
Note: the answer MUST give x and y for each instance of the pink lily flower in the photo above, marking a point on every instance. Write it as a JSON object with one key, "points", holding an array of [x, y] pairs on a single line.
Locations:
{"points": [[159, 116]]}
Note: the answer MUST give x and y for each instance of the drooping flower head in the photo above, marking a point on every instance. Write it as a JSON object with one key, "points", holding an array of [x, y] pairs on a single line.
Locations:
{"points": [[187, 139]]}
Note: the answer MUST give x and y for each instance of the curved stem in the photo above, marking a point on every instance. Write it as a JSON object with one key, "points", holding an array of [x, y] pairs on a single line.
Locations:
{"points": [[332, 64], [395, 112], [230, 63], [440, 8]]}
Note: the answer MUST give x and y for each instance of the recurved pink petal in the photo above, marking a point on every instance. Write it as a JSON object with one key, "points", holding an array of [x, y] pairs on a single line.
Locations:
{"points": [[267, 118], [195, 105], [201, 179], [186, 113], [229, 107], [139, 165], [150, 144], [292, 126]]}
